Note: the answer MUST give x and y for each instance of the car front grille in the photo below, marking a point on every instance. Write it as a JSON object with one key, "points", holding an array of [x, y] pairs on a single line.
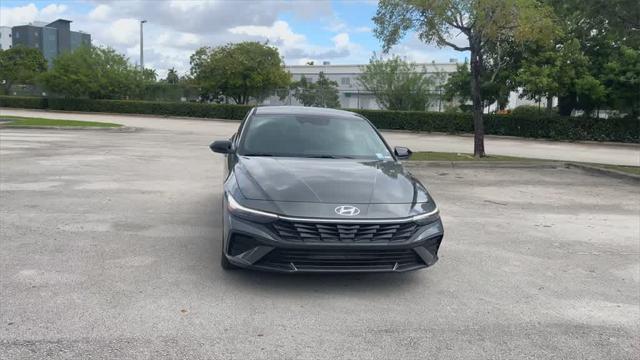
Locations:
{"points": [[343, 233], [342, 260]]}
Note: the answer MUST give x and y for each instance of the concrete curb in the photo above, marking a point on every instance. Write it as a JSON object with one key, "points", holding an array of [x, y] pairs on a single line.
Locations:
{"points": [[604, 171]]}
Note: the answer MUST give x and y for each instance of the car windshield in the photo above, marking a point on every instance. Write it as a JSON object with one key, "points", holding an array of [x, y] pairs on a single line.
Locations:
{"points": [[312, 136]]}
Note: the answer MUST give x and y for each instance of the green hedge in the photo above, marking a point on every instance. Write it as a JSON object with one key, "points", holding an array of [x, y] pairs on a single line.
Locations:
{"points": [[419, 120], [565, 128], [545, 126], [221, 111], [23, 102], [152, 108]]}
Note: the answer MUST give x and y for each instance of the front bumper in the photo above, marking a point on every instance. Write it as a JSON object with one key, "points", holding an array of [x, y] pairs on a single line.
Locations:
{"points": [[259, 246]]}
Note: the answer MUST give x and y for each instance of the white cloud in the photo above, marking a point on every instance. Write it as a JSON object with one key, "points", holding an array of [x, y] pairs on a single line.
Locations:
{"points": [[188, 5], [21, 15], [120, 32], [341, 40], [189, 39], [18, 15], [294, 47], [53, 10], [100, 13], [279, 33]]}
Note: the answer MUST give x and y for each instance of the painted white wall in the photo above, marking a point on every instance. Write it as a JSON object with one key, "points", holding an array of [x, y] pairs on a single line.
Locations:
{"points": [[353, 96], [5, 38]]}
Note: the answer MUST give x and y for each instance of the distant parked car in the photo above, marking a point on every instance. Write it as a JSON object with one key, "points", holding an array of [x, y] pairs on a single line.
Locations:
{"points": [[319, 190]]}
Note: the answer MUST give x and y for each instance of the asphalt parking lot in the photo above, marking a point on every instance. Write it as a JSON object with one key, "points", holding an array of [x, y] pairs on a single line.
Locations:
{"points": [[110, 240]]}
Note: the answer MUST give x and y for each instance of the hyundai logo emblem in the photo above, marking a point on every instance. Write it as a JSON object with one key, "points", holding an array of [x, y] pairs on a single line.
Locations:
{"points": [[347, 210]]}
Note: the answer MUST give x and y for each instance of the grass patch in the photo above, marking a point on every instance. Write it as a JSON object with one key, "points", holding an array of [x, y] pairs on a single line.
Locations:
{"points": [[635, 170], [446, 156], [26, 122]]}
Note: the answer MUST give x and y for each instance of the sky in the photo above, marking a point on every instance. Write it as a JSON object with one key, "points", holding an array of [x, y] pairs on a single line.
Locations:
{"points": [[338, 31]]}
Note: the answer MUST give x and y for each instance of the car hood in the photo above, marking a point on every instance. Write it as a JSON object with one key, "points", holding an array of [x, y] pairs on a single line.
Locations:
{"points": [[331, 181]]}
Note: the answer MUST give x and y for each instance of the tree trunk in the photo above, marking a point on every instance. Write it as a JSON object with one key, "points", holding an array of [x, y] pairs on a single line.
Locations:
{"points": [[549, 102], [476, 97], [566, 104]]}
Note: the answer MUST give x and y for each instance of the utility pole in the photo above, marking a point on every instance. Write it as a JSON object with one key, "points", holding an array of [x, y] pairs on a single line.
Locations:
{"points": [[142, 45]]}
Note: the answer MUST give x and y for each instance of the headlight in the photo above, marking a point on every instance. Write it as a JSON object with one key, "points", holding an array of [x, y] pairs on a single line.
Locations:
{"points": [[246, 213], [428, 217]]}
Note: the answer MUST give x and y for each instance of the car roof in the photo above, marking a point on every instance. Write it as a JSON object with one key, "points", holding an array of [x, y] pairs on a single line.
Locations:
{"points": [[302, 110]]}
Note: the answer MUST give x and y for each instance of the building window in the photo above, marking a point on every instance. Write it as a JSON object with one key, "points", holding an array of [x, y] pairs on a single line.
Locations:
{"points": [[17, 35], [346, 81], [35, 33]]}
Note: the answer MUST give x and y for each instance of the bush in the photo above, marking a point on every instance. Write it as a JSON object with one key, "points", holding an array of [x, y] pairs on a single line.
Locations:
{"points": [[419, 120], [549, 126], [546, 126], [564, 128], [221, 111], [23, 102], [532, 111]]}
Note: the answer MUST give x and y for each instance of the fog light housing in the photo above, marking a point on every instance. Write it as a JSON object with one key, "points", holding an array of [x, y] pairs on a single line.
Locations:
{"points": [[240, 244]]}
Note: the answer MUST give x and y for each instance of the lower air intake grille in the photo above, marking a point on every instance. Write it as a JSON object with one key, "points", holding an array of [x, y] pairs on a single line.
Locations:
{"points": [[330, 259]]}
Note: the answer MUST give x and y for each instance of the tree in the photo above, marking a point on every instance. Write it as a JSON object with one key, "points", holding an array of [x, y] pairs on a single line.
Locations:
{"points": [[172, 77], [322, 93], [553, 70], [97, 73], [20, 65], [484, 24], [397, 84], [148, 75], [590, 93], [242, 71], [575, 65], [621, 77], [496, 90]]}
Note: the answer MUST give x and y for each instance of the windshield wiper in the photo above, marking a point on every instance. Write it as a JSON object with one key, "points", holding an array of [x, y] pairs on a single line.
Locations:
{"points": [[328, 156]]}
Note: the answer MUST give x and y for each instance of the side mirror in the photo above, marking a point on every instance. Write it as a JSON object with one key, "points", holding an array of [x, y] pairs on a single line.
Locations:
{"points": [[221, 146], [402, 152]]}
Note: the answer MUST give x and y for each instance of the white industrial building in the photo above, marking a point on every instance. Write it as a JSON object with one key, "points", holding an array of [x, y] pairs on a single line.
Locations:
{"points": [[353, 95], [5, 38]]}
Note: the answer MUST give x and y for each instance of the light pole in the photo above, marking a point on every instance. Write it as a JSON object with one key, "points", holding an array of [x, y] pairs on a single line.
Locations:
{"points": [[142, 45]]}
